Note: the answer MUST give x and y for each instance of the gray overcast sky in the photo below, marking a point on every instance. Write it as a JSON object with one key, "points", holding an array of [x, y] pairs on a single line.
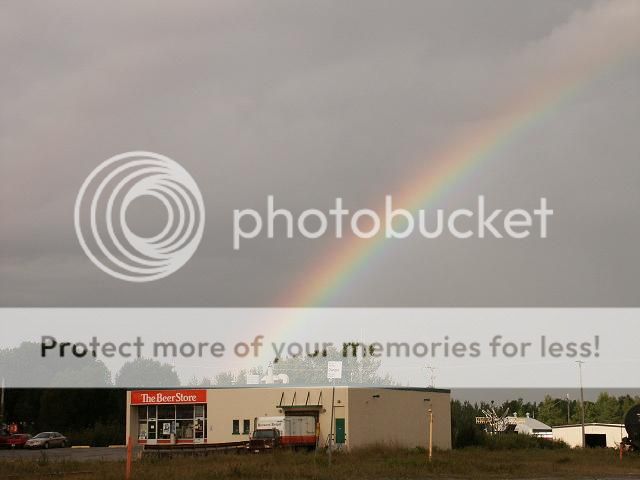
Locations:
{"points": [[312, 100]]}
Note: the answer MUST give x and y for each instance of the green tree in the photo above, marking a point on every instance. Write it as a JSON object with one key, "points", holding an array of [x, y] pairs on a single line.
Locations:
{"points": [[606, 409], [464, 431], [25, 365], [626, 402], [143, 372], [552, 411]]}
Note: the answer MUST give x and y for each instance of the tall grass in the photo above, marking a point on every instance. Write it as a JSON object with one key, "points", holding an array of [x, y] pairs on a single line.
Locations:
{"points": [[369, 463]]}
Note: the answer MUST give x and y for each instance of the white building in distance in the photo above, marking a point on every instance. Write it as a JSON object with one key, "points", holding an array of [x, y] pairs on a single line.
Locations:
{"points": [[607, 435]]}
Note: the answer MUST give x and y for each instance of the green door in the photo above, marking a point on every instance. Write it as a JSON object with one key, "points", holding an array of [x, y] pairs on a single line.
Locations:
{"points": [[340, 433]]}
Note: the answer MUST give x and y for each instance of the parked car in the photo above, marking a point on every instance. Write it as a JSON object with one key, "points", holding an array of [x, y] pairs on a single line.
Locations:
{"points": [[264, 439], [17, 440], [47, 440]]}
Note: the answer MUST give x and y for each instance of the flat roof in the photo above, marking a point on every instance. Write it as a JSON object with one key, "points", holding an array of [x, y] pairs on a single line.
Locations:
{"points": [[280, 386], [592, 424], [415, 389]]}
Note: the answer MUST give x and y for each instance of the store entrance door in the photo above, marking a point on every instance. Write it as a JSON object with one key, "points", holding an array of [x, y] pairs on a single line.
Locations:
{"points": [[340, 431], [152, 434]]}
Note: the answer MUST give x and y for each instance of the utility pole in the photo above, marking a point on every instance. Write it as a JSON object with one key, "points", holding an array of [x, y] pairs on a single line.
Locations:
{"points": [[580, 362], [430, 439], [333, 397], [334, 370], [430, 433], [568, 410]]}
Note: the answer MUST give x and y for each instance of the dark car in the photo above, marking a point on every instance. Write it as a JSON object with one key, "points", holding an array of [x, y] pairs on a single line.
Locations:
{"points": [[47, 440], [264, 439], [17, 440], [12, 440]]}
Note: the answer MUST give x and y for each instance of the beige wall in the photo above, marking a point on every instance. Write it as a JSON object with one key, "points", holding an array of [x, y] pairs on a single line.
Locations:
{"points": [[225, 405], [572, 435], [398, 417]]}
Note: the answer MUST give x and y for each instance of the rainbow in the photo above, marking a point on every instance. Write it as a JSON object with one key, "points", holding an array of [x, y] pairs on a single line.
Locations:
{"points": [[334, 271]]}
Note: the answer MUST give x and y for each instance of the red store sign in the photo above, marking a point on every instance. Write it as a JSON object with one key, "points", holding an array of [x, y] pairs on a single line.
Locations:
{"points": [[155, 397]]}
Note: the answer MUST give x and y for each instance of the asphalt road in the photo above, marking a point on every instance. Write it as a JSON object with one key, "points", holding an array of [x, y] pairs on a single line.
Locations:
{"points": [[75, 454]]}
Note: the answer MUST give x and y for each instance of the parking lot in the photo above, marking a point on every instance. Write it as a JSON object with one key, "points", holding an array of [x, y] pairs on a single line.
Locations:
{"points": [[75, 454]]}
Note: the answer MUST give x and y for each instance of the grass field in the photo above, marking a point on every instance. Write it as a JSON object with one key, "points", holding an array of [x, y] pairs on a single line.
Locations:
{"points": [[376, 463]]}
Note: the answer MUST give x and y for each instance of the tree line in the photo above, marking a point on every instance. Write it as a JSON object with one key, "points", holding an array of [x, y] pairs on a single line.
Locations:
{"points": [[551, 411], [97, 416]]}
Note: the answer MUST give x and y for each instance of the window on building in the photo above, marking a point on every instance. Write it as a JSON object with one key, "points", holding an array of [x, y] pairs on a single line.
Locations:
{"points": [[246, 427], [236, 427], [184, 412], [186, 421], [166, 412], [166, 421], [143, 428]]}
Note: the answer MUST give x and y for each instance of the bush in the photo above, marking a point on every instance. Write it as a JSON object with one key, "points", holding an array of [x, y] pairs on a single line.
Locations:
{"points": [[515, 441], [101, 435]]}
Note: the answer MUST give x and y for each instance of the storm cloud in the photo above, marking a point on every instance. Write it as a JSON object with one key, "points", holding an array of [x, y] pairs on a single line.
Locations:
{"points": [[309, 101]]}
